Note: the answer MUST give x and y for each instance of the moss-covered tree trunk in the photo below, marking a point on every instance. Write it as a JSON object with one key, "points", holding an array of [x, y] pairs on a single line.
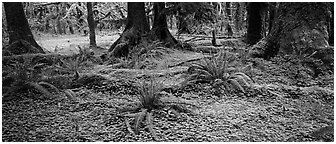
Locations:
{"points": [[298, 28], [160, 28], [91, 24], [20, 36], [136, 27], [254, 26]]}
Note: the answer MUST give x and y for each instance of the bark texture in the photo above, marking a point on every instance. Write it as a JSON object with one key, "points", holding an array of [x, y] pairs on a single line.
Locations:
{"points": [[254, 22], [18, 27], [229, 15], [298, 28], [91, 23], [136, 28], [160, 28]]}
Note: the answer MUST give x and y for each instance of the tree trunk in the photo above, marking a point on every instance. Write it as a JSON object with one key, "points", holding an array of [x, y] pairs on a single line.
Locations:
{"points": [[136, 27], [213, 41], [58, 22], [18, 27], [238, 17], [272, 9], [228, 26], [331, 24], [254, 22], [298, 28], [182, 26], [91, 24], [71, 28], [160, 28]]}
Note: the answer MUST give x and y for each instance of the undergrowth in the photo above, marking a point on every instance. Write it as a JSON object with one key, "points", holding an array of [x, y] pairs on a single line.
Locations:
{"points": [[146, 55], [25, 76], [150, 96], [221, 70]]}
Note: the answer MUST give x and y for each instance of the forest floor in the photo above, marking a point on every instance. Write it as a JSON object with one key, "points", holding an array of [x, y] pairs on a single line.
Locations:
{"points": [[289, 106]]}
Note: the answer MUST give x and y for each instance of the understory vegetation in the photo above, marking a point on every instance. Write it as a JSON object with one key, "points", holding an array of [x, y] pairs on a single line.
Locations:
{"points": [[215, 98], [200, 76]]}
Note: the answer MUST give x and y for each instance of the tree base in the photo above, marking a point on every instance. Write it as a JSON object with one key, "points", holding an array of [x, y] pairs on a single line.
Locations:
{"points": [[131, 38], [21, 47], [128, 39]]}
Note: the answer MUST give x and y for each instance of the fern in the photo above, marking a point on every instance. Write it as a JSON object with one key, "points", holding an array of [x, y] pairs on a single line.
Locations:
{"points": [[138, 119], [26, 75], [150, 97], [148, 93], [220, 67], [40, 88], [70, 95], [128, 126], [49, 85], [150, 126]]}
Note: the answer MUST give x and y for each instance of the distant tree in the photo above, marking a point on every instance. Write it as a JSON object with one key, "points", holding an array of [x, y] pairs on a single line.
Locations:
{"points": [[18, 28], [91, 24], [254, 26], [188, 13], [229, 17], [238, 17]]}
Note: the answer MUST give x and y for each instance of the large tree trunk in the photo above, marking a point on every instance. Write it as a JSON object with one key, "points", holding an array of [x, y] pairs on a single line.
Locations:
{"points": [[160, 28], [254, 26], [298, 28], [136, 27], [91, 24], [18, 27]]}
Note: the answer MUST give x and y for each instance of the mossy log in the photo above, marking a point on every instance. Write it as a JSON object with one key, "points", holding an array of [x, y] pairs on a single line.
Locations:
{"points": [[47, 58]]}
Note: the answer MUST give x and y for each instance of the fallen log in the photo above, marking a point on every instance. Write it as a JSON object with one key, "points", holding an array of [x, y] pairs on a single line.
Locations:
{"points": [[208, 49], [190, 60], [48, 58]]}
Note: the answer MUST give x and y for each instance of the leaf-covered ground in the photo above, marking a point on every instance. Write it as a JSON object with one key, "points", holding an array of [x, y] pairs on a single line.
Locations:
{"points": [[286, 106]]}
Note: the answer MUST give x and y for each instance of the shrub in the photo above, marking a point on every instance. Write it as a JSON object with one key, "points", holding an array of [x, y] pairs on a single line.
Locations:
{"points": [[220, 69], [73, 65]]}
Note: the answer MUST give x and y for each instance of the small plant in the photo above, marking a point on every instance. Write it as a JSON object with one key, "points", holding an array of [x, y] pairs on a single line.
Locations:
{"points": [[145, 55], [24, 76], [219, 70], [151, 97], [70, 65], [73, 65]]}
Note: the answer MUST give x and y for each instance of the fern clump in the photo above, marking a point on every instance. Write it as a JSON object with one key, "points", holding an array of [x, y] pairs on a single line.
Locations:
{"points": [[73, 65], [24, 76], [150, 97], [144, 56], [221, 69]]}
